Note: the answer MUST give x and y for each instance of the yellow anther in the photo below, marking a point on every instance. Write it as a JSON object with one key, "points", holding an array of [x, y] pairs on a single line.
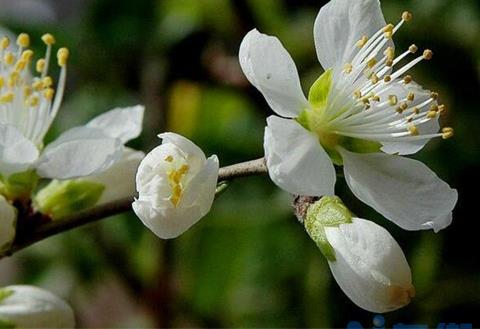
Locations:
{"points": [[27, 55], [413, 130], [388, 28], [434, 95], [9, 59], [20, 65], [392, 100], [27, 91], [374, 78], [413, 49], [37, 85], [442, 109], [47, 82], [389, 53], [2, 82], [447, 132], [427, 54], [12, 79], [407, 79], [416, 110], [388, 35], [407, 16], [399, 110], [62, 56], [347, 68], [362, 42], [410, 97], [371, 62], [431, 114], [403, 106], [7, 97], [23, 40], [357, 93], [389, 63], [434, 107], [48, 39], [183, 169], [387, 78], [33, 101], [376, 98], [169, 158], [48, 93], [40, 65], [4, 43]]}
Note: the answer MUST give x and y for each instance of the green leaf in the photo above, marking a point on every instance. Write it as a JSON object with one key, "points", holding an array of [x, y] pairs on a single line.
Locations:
{"points": [[329, 211], [318, 94], [62, 198]]}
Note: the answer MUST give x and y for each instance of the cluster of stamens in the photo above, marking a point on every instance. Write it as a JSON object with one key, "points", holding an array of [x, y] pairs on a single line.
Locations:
{"points": [[385, 105], [29, 103], [175, 177]]}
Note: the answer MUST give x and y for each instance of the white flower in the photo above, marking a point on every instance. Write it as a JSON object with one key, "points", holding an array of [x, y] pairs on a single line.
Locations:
{"points": [[361, 103], [370, 266], [176, 186], [28, 106], [32, 307], [8, 220]]}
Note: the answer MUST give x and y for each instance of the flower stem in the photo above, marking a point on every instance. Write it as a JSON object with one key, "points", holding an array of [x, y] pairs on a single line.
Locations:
{"points": [[31, 235]]}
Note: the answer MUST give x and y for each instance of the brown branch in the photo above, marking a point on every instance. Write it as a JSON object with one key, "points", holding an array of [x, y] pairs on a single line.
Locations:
{"points": [[47, 229]]}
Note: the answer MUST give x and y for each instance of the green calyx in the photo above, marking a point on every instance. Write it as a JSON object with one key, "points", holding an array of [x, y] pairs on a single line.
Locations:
{"points": [[329, 211], [62, 198], [19, 186], [5, 293]]}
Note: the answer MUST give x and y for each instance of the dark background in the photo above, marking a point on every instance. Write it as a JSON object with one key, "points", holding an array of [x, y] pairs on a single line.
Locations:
{"points": [[248, 263]]}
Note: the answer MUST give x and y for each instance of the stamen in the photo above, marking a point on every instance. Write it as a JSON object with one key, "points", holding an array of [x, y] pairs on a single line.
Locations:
{"points": [[348, 68], [169, 158], [407, 16], [441, 109], [427, 54], [447, 132], [4, 43], [413, 49], [23, 40], [62, 56], [413, 130], [407, 79], [48, 39], [392, 100], [411, 97], [362, 41]]}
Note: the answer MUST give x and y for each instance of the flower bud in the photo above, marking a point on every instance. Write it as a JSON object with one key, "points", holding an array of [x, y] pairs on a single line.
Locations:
{"points": [[367, 263], [176, 186], [8, 220], [32, 307]]}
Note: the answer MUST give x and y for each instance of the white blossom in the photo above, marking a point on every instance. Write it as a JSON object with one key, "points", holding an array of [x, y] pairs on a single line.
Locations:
{"points": [[31, 307], [363, 103], [176, 186], [29, 105], [370, 266]]}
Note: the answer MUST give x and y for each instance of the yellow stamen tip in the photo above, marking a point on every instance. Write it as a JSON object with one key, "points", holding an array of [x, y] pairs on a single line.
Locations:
{"points": [[169, 158], [407, 79], [40, 65], [411, 97], [47, 82], [48, 39], [23, 40], [392, 100], [427, 54], [6, 98], [48, 93], [348, 68], [407, 16], [62, 56], [413, 130], [413, 49], [447, 132], [362, 42], [431, 114], [4, 43], [387, 78]]}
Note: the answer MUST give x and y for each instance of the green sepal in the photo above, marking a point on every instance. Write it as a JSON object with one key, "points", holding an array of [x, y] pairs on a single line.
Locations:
{"points": [[319, 91], [19, 185], [62, 198], [302, 119], [6, 324], [5, 293], [329, 211]]}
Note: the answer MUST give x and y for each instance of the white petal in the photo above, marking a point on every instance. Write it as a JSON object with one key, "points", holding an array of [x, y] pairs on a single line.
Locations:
{"points": [[119, 179], [269, 67], [124, 123], [32, 307], [17, 153], [8, 220], [196, 157], [295, 159], [403, 190], [370, 266], [78, 152], [340, 24], [204, 185]]}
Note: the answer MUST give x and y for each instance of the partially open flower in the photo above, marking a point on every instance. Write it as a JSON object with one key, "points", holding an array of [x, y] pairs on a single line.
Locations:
{"points": [[176, 186], [32, 307]]}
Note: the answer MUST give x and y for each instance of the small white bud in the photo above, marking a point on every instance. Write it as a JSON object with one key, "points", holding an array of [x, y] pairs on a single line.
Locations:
{"points": [[32, 307], [176, 186], [370, 266]]}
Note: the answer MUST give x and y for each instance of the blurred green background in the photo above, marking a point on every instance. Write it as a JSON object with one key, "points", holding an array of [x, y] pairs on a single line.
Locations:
{"points": [[248, 263]]}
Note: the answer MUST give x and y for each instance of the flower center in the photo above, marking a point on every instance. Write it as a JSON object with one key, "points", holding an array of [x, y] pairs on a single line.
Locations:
{"points": [[175, 179], [27, 102]]}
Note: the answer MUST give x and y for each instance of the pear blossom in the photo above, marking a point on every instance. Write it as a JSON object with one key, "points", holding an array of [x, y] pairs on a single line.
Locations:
{"points": [[24, 306], [370, 266], [176, 186], [366, 261], [363, 103], [28, 107]]}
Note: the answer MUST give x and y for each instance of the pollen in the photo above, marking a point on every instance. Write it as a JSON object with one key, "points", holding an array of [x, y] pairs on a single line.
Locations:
{"points": [[4, 43], [48, 39], [175, 177], [387, 78], [407, 16], [362, 42], [407, 79], [427, 54], [392, 100], [388, 28], [411, 97], [62, 56], [40, 66], [48, 93], [413, 130], [447, 132], [413, 49], [7, 97], [431, 114], [23, 40], [371, 63], [389, 53]]}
